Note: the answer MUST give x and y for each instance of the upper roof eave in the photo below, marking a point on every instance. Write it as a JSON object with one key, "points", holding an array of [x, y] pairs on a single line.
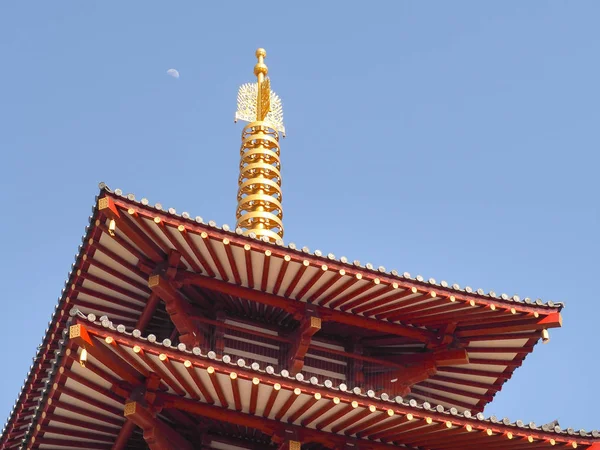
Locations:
{"points": [[330, 258]]}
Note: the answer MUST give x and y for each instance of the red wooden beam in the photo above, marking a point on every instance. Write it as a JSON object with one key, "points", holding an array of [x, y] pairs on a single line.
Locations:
{"points": [[167, 231], [79, 335], [297, 308], [281, 274], [208, 439], [217, 386], [254, 395], [157, 434], [235, 388], [319, 412], [442, 357], [338, 415], [219, 332], [341, 302], [198, 381], [271, 400], [362, 304], [232, 263], [377, 431], [267, 426], [339, 290], [288, 403], [213, 254], [164, 359], [322, 270], [552, 320], [188, 239], [107, 206], [305, 407], [405, 378], [148, 312], [301, 342], [298, 275], [123, 436], [180, 311], [157, 369], [332, 280]]}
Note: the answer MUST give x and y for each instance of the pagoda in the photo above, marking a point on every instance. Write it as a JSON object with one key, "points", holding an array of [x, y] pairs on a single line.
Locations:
{"points": [[174, 333]]}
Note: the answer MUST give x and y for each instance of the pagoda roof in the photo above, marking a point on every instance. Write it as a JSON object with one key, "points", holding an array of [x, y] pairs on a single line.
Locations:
{"points": [[318, 258], [109, 276], [249, 396]]}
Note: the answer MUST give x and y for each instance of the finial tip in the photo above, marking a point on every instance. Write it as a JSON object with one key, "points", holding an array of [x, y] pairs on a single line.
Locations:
{"points": [[261, 52]]}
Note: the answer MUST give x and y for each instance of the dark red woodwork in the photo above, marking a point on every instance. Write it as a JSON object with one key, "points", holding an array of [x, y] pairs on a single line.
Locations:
{"points": [[157, 434], [300, 339], [297, 308], [180, 311], [189, 296]]}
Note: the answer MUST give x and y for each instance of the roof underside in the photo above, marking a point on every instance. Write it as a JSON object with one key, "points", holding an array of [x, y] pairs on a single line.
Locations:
{"points": [[233, 406], [110, 277]]}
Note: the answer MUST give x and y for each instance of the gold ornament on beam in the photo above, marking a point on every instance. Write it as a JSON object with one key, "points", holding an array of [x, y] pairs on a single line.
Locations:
{"points": [[259, 210]]}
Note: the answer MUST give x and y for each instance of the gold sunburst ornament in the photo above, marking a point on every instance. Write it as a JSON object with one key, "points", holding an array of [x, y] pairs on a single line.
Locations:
{"points": [[259, 211]]}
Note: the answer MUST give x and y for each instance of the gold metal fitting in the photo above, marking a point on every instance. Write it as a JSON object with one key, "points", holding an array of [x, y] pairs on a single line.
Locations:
{"points": [[83, 357], [261, 68], [545, 336], [112, 226], [259, 208]]}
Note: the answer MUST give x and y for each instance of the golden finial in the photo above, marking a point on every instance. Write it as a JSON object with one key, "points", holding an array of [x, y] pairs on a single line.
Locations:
{"points": [[259, 208]]}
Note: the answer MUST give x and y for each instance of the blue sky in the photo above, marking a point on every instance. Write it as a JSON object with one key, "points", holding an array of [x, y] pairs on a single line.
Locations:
{"points": [[456, 140]]}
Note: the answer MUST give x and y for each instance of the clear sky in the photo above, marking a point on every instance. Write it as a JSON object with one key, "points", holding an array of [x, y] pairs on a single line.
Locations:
{"points": [[456, 140]]}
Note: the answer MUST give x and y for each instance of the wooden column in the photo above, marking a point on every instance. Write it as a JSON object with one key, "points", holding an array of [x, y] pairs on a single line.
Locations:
{"points": [[180, 311], [157, 434], [301, 338], [219, 334], [355, 366]]}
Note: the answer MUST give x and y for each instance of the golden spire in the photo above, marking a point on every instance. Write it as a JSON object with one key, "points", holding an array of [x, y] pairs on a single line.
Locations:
{"points": [[259, 208]]}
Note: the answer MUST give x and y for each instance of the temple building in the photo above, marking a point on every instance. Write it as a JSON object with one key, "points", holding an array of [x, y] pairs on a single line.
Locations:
{"points": [[176, 333]]}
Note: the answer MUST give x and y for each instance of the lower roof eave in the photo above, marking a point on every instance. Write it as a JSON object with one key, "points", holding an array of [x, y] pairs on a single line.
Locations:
{"points": [[272, 403]]}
